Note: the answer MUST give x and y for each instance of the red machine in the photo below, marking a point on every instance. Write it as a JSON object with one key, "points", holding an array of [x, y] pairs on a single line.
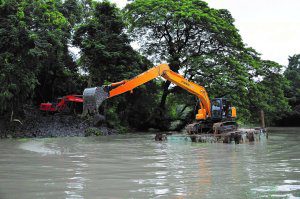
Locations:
{"points": [[66, 103]]}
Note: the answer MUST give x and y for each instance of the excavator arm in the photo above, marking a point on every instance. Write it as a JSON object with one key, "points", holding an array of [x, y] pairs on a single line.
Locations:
{"points": [[164, 71], [128, 85], [195, 89]]}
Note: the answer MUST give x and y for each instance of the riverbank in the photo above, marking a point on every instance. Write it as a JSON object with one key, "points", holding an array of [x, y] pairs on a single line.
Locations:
{"points": [[36, 124]]}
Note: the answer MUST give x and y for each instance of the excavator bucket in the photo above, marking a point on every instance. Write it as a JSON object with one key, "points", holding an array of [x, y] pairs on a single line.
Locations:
{"points": [[92, 99]]}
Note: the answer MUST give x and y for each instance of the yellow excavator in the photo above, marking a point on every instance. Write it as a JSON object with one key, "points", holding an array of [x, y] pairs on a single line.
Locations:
{"points": [[214, 116]]}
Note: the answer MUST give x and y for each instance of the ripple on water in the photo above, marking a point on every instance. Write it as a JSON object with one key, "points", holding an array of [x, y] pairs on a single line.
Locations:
{"points": [[274, 190], [38, 146]]}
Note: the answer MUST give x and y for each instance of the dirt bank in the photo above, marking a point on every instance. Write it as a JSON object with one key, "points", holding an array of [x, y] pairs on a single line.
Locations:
{"points": [[36, 124]]}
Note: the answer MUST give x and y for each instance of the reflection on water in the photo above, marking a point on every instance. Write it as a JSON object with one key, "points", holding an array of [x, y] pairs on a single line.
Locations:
{"points": [[38, 147], [134, 166], [204, 175], [76, 183]]}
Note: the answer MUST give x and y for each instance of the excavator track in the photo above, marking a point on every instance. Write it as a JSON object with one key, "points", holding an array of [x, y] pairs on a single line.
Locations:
{"points": [[224, 132], [208, 127], [237, 137]]}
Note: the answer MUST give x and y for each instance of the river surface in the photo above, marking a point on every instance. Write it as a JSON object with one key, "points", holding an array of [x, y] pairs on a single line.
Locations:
{"points": [[135, 166]]}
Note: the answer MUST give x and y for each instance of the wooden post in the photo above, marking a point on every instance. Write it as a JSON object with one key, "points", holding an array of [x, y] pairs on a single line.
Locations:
{"points": [[262, 119], [89, 81]]}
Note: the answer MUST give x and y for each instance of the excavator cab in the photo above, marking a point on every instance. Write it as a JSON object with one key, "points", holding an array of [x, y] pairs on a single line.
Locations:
{"points": [[221, 109]]}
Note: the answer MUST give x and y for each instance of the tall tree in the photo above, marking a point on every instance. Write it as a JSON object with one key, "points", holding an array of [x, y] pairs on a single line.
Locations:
{"points": [[292, 73], [34, 56], [72, 11], [17, 57], [107, 56], [178, 31], [204, 45], [52, 32], [106, 53], [226, 76], [267, 92]]}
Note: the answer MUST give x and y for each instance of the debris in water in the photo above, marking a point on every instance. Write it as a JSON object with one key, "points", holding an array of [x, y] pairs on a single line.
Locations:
{"points": [[160, 137]]}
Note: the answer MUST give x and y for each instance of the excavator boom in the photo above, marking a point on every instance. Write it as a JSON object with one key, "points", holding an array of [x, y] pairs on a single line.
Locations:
{"points": [[93, 97], [140, 79]]}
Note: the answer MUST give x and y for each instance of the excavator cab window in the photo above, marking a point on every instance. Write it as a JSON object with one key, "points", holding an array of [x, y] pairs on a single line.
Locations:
{"points": [[226, 108], [216, 108], [220, 109]]}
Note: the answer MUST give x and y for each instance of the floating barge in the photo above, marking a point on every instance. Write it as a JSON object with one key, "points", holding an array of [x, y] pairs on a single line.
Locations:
{"points": [[228, 132], [239, 136]]}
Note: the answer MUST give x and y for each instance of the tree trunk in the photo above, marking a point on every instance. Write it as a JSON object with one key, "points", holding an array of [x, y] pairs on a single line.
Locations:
{"points": [[89, 83], [174, 66], [262, 119], [164, 96]]}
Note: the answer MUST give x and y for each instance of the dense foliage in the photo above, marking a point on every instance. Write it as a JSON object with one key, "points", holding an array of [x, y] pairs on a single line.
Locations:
{"points": [[106, 54], [202, 43], [34, 57], [180, 31], [292, 73], [18, 57]]}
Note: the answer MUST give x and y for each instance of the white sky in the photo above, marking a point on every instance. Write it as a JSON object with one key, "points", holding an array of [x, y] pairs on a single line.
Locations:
{"points": [[272, 27]]}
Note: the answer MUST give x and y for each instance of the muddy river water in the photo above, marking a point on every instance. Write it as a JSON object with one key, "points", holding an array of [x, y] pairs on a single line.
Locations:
{"points": [[134, 166]]}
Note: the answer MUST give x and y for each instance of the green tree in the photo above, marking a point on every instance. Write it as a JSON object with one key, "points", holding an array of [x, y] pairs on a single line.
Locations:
{"points": [[106, 53], [73, 11], [204, 45], [34, 56], [225, 75], [52, 32], [267, 92], [107, 56], [292, 73], [179, 31], [17, 58]]}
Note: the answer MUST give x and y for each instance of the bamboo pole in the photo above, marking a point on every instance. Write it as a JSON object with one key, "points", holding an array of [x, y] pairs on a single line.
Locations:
{"points": [[262, 119]]}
